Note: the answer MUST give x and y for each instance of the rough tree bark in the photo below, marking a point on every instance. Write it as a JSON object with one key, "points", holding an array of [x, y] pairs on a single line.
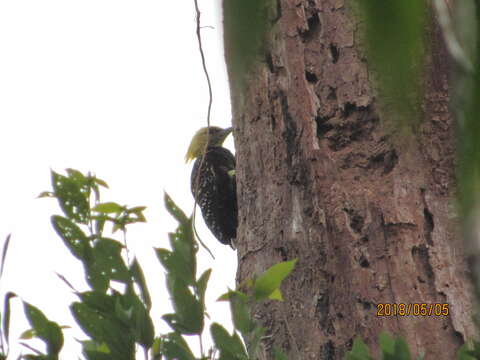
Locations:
{"points": [[368, 214]]}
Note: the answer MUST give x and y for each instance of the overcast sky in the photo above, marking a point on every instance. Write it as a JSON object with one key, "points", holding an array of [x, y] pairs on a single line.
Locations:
{"points": [[109, 86]]}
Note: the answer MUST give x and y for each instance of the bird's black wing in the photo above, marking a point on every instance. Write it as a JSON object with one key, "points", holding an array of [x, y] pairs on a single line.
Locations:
{"points": [[216, 192]]}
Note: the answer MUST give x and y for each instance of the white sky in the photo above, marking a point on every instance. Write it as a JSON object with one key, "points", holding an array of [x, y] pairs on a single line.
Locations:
{"points": [[109, 86]]}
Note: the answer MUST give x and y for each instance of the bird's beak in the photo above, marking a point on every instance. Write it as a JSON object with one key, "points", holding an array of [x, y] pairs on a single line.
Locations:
{"points": [[226, 132]]}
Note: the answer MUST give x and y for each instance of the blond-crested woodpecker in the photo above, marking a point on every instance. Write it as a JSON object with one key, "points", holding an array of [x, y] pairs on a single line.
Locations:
{"points": [[213, 185]]}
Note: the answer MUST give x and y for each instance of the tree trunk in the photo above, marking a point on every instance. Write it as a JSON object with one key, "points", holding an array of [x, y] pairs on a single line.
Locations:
{"points": [[369, 214]]}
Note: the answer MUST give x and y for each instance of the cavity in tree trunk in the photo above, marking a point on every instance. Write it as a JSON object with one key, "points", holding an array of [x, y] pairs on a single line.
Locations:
{"points": [[368, 212]]}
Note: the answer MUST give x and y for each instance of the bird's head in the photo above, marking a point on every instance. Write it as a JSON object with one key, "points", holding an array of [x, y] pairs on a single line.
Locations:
{"points": [[214, 135]]}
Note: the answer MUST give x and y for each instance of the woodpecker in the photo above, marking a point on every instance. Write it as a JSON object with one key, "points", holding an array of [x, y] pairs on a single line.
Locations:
{"points": [[213, 182]]}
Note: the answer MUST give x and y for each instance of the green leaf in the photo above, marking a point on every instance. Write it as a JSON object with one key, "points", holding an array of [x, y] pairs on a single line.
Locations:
{"points": [[78, 177], [393, 348], [402, 352], [174, 210], [98, 301], [73, 237], [45, 329], [188, 318], [108, 208], [176, 265], [254, 340], [276, 295], [6, 314], [124, 312], [269, 282], [464, 353], [174, 347], [246, 24], [144, 329], [100, 221], [142, 323], [139, 278], [202, 285], [468, 146], [138, 211], [156, 347], [28, 334], [359, 351], [279, 354], [397, 56], [174, 322], [182, 259], [228, 295], [35, 357], [387, 343], [230, 346], [100, 182], [104, 328], [45, 194], [95, 351], [107, 253], [241, 314], [72, 196], [105, 264]]}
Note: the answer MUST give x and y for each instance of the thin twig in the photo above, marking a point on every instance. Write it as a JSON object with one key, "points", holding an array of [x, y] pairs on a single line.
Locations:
{"points": [[209, 110], [127, 253], [196, 234], [4, 254], [67, 282], [204, 64], [201, 345]]}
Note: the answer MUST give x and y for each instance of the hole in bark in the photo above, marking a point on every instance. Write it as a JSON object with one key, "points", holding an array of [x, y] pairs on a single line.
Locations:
{"points": [[290, 132], [422, 259], [322, 126], [330, 329], [386, 160], [273, 121], [334, 53], [349, 344], [459, 337], [348, 109], [356, 221], [279, 12], [313, 23], [364, 262], [332, 94], [429, 225], [327, 351], [340, 315], [311, 77], [322, 304], [269, 61], [358, 125], [366, 305], [391, 160], [283, 253], [308, 210]]}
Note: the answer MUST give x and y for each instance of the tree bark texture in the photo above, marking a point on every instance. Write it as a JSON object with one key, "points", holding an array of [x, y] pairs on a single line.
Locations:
{"points": [[369, 214]]}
